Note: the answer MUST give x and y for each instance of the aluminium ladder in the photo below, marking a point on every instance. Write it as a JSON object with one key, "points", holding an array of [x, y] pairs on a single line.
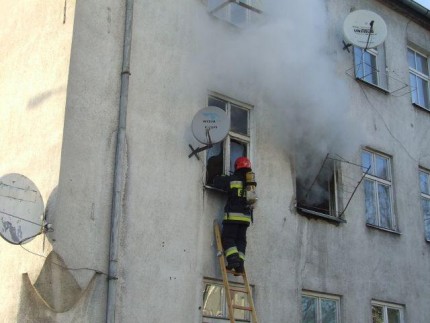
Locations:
{"points": [[228, 289]]}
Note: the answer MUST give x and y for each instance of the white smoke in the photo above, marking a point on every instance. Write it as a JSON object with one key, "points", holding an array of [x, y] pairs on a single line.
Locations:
{"points": [[289, 62]]}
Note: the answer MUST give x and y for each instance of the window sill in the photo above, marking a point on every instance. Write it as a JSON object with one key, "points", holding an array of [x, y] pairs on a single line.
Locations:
{"points": [[376, 87], [420, 107], [318, 215], [383, 229], [211, 188]]}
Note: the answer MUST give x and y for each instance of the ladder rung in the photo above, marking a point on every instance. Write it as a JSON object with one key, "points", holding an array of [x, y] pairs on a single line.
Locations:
{"points": [[233, 272], [245, 308]]}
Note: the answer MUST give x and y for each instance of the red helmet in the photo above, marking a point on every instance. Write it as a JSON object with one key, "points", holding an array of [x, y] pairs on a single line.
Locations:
{"points": [[242, 162]]}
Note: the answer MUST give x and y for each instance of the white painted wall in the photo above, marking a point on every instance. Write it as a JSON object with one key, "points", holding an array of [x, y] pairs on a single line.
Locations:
{"points": [[293, 70]]}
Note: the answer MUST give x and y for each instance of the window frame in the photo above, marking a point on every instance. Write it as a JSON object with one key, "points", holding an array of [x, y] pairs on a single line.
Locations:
{"points": [[413, 71], [245, 139], [380, 67], [224, 10], [371, 177], [224, 307], [319, 297], [385, 306], [333, 199], [425, 196]]}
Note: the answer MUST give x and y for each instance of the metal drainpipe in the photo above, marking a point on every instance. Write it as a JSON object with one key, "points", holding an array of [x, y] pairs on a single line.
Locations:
{"points": [[119, 167]]}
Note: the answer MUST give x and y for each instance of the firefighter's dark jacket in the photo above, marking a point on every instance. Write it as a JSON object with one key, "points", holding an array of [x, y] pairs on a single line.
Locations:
{"points": [[236, 209]]}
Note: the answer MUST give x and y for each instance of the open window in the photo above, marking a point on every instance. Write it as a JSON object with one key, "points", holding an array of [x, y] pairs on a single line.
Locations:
{"points": [[237, 12], [326, 192], [221, 157], [370, 66], [419, 78]]}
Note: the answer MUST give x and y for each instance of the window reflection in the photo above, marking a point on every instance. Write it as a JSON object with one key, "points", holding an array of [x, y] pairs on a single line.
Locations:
{"points": [[382, 167], [309, 314], [213, 298], [377, 314], [384, 206], [424, 185], [370, 202], [239, 120], [393, 315], [328, 311]]}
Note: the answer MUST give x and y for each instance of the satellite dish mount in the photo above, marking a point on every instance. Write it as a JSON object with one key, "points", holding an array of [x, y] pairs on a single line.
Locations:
{"points": [[209, 126]]}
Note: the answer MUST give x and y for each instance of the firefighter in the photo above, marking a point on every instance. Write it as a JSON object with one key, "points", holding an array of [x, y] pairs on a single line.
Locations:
{"points": [[241, 198]]}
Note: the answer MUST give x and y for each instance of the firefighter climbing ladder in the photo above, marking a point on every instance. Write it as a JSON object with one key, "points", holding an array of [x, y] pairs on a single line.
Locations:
{"points": [[228, 289]]}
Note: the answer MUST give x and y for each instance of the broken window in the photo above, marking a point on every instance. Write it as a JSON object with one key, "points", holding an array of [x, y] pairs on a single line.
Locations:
{"points": [[237, 12], [221, 157], [215, 307], [325, 188]]}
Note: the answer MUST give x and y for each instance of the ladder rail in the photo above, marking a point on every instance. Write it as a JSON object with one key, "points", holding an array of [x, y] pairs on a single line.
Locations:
{"points": [[228, 290]]}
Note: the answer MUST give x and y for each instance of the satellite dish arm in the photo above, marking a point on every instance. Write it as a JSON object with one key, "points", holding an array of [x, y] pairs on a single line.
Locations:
{"points": [[370, 33], [194, 152]]}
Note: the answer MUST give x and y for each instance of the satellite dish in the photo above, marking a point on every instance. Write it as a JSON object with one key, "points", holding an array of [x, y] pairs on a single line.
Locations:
{"points": [[21, 209], [210, 125], [364, 29]]}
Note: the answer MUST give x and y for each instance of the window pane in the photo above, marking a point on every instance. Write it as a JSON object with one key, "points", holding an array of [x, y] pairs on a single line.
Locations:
{"points": [[239, 120], [413, 86], [358, 59], [214, 162], [370, 68], [238, 13], [422, 64], [422, 92], [242, 300], [366, 161], [377, 314], [393, 315], [214, 102], [237, 149], [328, 311], [425, 203], [369, 194], [382, 167], [309, 314], [385, 206], [411, 58], [424, 184], [213, 298]]}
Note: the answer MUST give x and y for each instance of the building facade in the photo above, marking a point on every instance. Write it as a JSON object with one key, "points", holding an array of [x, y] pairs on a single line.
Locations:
{"points": [[97, 103]]}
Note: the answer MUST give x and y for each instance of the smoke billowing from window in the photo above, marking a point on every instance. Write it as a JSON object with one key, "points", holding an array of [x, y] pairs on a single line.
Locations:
{"points": [[289, 65]]}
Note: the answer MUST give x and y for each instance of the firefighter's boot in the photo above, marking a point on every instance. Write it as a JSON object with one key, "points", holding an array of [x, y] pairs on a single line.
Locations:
{"points": [[233, 261]]}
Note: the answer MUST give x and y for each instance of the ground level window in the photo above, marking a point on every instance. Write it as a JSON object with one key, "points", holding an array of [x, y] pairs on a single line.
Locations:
{"points": [[221, 157], [386, 313], [215, 303], [320, 308]]}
